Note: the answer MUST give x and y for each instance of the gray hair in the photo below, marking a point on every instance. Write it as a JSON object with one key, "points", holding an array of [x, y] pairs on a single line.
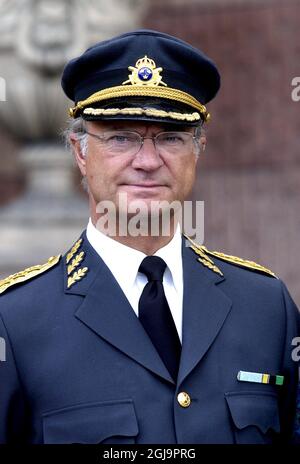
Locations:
{"points": [[76, 126]]}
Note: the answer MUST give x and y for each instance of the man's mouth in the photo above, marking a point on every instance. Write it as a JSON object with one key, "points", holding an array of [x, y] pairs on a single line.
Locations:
{"points": [[144, 184]]}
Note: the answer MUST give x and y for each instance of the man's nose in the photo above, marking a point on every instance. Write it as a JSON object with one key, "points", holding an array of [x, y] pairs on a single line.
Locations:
{"points": [[147, 157]]}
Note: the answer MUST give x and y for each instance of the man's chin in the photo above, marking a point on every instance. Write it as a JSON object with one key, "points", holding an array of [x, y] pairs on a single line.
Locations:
{"points": [[146, 193], [146, 196], [148, 208]]}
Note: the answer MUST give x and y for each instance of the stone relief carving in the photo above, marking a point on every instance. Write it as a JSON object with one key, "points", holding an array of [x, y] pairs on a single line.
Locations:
{"points": [[8, 22], [37, 38]]}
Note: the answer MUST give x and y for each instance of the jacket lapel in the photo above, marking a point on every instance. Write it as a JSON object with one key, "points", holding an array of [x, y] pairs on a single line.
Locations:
{"points": [[205, 308], [107, 312]]}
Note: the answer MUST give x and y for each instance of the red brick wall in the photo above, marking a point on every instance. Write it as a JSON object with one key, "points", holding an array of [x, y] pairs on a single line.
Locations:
{"points": [[257, 49], [11, 177], [249, 177]]}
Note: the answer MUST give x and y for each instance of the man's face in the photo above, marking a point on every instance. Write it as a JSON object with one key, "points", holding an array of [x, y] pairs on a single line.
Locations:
{"points": [[149, 175]]}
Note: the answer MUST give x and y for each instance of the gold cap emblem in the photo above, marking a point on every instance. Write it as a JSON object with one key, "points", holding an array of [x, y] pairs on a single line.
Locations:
{"points": [[145, 72]]}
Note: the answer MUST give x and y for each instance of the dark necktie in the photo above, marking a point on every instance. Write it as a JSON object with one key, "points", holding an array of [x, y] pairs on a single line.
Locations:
{"points": [[155, 314]]}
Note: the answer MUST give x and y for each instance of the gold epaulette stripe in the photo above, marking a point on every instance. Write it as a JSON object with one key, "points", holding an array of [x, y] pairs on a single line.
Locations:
{"points": [[142, 111], [239, 261], [28, 273], [167, 93], [202, 251]]}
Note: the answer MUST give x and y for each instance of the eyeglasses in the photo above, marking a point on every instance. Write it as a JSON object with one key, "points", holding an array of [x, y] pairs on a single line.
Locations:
{"points": [[129, 143]]}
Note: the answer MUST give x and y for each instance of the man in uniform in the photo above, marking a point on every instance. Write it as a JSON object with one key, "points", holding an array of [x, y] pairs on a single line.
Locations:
{"points": [[146, 338]]}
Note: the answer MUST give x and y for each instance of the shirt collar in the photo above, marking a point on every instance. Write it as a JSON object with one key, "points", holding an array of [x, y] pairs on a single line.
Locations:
{"points": [[117, 256]]}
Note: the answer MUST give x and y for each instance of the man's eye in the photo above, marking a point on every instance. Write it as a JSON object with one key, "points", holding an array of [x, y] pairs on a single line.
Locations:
{"points": [[118, 139], [172, 138]]}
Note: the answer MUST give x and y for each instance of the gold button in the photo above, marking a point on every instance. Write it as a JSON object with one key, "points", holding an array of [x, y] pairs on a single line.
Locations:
{"points": [[184, 399]]}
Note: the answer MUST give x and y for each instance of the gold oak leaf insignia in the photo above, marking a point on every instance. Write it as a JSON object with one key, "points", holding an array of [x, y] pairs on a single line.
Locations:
{"points": [[208, 264], [78, 275], [75, 262], [203, 258], [73, 250]]}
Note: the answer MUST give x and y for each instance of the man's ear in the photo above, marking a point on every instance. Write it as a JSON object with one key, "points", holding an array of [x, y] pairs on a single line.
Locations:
{"points": [[78, 155]]}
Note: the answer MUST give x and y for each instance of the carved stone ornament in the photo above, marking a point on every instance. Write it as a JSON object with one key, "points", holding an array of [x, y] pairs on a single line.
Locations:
{"points": [[38, 37]]}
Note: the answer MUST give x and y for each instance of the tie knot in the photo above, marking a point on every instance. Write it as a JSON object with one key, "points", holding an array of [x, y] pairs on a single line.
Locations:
{"points": [[153, 267]]}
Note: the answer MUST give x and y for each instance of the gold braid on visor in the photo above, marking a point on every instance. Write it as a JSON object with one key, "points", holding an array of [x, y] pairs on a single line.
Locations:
{"points": [[141, 91]]}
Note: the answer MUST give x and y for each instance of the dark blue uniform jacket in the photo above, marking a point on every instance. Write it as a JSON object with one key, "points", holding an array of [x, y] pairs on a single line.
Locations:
{"points": [[80, 368]]}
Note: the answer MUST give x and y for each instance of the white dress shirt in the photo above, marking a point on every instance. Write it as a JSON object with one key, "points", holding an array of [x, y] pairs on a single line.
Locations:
{"points": [[124, 262]]}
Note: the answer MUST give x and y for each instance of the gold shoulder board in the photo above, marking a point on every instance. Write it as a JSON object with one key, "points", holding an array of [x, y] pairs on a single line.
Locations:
{"points": [[239, 261], [28, 273]]}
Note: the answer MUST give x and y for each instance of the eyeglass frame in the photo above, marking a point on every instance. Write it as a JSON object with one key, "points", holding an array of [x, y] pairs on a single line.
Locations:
{"points": [[194, 137]]}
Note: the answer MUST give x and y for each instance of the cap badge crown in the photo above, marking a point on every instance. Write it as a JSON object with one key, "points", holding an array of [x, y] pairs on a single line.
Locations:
{"points": [[145, 72]]}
